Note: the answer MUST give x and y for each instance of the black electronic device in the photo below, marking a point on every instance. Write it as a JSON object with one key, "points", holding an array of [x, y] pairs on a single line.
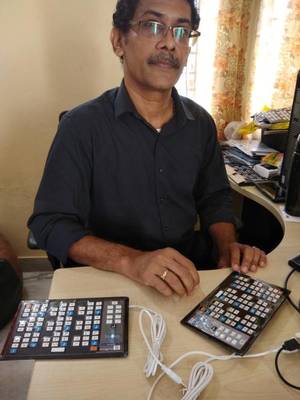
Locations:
{"points": [[69, 328], [236, 311], [277, 191], [293, 133], [295, 263], [275, 138], [243, 175], [240, 166], [292, 204], [272, 189]]}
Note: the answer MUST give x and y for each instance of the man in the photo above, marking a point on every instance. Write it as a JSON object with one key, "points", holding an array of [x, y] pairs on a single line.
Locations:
{"points": [[10, 282], [129, 171]]}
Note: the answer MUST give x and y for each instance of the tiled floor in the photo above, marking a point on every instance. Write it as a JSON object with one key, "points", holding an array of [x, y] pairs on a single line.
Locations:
{"points": [[15, 375]]}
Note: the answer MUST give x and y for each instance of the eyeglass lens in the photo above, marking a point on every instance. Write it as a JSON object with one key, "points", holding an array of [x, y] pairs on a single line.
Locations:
{"points": [[156, 29]]}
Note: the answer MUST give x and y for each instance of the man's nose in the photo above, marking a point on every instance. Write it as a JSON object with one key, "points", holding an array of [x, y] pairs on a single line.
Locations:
{"points": [[167, 40]]}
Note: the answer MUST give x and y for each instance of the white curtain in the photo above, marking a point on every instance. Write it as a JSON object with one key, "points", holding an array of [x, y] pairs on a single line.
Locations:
{"points": [[247, 57]]}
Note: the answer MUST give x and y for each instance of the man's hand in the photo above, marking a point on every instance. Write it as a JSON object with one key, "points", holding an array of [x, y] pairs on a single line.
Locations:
{"points": [[166, 270], [242, 258]]}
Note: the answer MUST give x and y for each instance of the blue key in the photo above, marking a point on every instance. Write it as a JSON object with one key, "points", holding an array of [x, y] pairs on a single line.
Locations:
{"points": [[252, 311], [66, 328], [94, 343], [37, 328], [239, 327], [96, 327], [70, 313], [33, 344], [98, 312], [63, 344], [222, 318], [13, 351]]}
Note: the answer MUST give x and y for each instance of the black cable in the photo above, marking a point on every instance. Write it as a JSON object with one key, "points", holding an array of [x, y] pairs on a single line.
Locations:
{"points": [[288, 297], [279, 373]]}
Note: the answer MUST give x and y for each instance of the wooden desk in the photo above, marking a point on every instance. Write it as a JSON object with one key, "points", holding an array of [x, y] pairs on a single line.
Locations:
{"points": [[113, 379]]}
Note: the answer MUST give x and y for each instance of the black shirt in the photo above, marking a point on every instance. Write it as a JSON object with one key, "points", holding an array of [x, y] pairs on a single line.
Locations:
{"points": [[111, 174]]}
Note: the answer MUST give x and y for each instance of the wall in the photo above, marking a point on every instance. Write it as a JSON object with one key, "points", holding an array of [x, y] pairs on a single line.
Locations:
{"points": [[54, 55]]}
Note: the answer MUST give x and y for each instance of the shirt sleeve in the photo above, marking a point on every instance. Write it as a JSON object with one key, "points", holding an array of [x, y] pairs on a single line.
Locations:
{"points": [[213, 193], [61, 208]]}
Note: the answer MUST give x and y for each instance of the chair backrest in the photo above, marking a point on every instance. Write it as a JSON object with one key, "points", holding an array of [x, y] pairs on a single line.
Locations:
{"points": [[31, 242]]}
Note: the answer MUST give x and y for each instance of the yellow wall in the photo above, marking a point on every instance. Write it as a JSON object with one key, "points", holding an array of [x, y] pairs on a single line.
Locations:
{"points": [[54, 54]]}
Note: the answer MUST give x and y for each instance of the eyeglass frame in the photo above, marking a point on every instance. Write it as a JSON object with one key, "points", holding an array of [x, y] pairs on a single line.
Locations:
{"points": [[194, 34]]}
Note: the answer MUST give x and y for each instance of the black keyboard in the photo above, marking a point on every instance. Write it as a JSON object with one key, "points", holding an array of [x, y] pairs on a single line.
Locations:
{"points": [[236, 311], [69, 328], [239, 167], [243, 175]]}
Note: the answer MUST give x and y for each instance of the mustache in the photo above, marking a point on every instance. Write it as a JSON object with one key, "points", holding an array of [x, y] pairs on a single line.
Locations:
{"points": [[165, 59]]}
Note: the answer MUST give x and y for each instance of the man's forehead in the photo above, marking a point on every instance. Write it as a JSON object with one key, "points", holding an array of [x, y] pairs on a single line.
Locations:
{"points": [[173, 9]]}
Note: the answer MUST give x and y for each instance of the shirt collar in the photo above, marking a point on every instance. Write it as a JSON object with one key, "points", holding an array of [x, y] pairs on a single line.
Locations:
{"points": [[123, 104], [182, 112]]}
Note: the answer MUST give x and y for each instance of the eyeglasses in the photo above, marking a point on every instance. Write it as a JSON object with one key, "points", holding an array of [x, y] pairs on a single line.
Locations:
{"points": [[156, 30]]}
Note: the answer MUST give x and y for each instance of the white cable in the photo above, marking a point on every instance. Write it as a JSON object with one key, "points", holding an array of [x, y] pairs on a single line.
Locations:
{"points": [[201, 373], [200, 376], [194, 387], [158, 333], [205, 374]]}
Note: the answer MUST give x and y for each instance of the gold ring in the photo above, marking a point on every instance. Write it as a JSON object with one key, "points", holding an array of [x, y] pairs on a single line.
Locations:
{"points": [[164, 274]]}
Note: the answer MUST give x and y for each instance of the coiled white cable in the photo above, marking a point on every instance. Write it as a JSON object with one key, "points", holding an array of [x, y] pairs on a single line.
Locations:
{"points": [[158, 332], [201, 373], [195, 387]]}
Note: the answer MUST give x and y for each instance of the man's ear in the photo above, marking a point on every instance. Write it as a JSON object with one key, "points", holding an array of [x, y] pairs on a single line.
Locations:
{"points": [[116, 41]]}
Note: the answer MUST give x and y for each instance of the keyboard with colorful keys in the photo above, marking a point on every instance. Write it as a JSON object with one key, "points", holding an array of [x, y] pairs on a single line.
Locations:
{"points": [[69, 328], [236, 311]]}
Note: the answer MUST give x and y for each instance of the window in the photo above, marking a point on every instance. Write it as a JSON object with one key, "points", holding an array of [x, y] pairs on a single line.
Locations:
{"points": [[247, 57]]}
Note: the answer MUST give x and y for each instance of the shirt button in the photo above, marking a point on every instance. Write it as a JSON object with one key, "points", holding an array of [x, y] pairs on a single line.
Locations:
{"points": [[161, 170]]}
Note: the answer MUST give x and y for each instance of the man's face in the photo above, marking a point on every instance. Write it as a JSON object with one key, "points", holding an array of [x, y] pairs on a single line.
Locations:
{"points": [[150, 62]]}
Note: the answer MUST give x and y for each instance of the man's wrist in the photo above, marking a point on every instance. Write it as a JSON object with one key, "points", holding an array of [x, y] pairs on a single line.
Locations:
{"points": [[127, 263]]}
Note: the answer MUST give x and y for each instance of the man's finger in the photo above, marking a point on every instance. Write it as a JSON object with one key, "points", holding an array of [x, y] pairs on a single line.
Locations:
{"points": [[247, 256], [177, 274], [161, 286], [263, 259], [255, 259], [185, 262], [174, 282], [235, 255]]}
